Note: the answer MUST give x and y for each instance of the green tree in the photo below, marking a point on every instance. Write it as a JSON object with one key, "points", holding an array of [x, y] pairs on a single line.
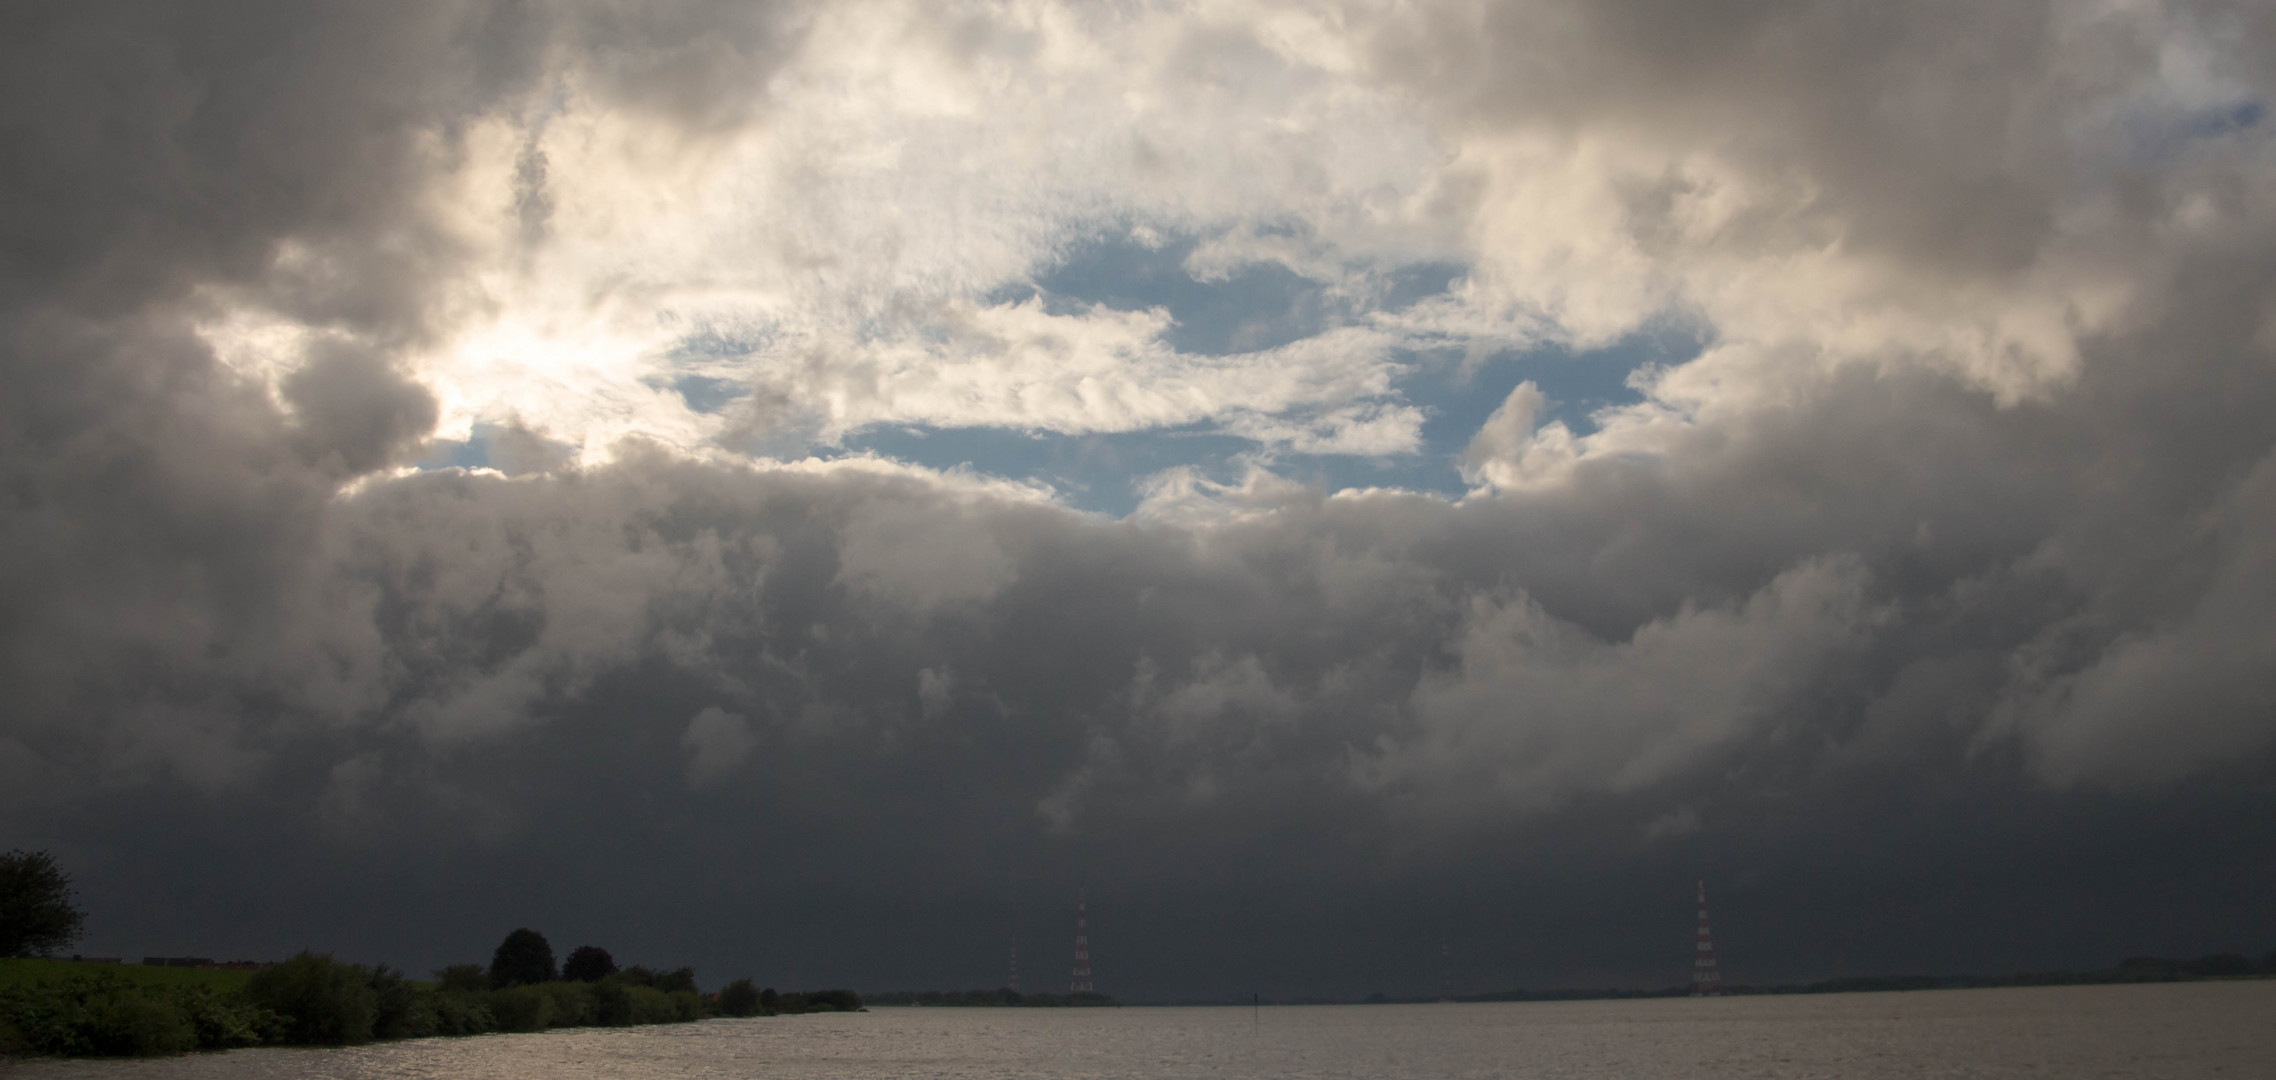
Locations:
{"points": [[523, 958], [676, 980], [739, 998], [37, 915], [588, 963]]}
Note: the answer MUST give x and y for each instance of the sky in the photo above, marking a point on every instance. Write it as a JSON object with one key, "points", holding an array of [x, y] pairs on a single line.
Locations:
{"points": [[801, 490]]}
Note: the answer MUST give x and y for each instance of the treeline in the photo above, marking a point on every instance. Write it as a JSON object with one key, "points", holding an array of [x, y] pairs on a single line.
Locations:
{"points": [[2139, 969], [1572, 995], [314, 1000], [998, 998]]}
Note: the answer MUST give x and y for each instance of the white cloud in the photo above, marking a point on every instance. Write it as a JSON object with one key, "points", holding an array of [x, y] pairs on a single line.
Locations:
{"points": [[905, 161]]}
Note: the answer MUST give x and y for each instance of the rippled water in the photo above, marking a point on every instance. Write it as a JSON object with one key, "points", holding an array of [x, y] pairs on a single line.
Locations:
{"points": [[2175, 1030]]}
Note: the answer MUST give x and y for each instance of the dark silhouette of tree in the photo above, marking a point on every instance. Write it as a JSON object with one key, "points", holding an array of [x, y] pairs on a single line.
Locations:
{"points": [[37, 915], [588, 963], [678, 979], [521, 959], [739, 998]]}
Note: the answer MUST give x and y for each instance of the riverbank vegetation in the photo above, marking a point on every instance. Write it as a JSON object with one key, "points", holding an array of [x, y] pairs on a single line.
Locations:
{"points": [[67, 1008], [52, 1007], [998, 998]]}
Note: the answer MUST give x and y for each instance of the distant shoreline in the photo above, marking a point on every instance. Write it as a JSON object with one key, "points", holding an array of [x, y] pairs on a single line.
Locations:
{"points": [[2225, 967], [1000, 998]]}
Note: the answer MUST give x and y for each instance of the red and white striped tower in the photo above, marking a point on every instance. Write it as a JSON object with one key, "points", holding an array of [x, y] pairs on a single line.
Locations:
{"points": [[1081, 983], [1706, 981]]}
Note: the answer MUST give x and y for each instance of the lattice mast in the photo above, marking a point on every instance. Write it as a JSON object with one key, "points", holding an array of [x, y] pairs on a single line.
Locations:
{"points": [[1081, 982], [1706, 980], [1011, 975]]}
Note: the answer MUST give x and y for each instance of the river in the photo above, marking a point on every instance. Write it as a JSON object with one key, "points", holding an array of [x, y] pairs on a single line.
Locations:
{"points": [[2224, 1029]]}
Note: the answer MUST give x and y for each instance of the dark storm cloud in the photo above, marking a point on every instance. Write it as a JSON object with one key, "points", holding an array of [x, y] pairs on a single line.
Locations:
{"points": [[1887, 607], [1963, 148], [168, 159], [1931, 133]]}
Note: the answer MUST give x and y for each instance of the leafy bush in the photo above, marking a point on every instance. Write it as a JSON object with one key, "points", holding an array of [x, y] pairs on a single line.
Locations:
{"points": [[652, 1006], [612, 1002], [464, 978], [108, 1014], [400, 1009], [573, 1004], [227, 1021], [522, 1008], [739, 998], [461, 1013], [322, 1001], [138, 1025]]}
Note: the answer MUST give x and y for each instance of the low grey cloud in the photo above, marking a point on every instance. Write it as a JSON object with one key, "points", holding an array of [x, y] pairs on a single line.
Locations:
{"points": [[718, 743], [1949, 546]]}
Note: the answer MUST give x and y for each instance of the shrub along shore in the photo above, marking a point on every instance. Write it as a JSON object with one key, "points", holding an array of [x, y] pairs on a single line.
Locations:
{"points": [[50, 1007]]}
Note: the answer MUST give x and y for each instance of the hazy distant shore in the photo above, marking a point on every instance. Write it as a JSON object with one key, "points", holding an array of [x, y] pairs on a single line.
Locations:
{"points": [[2143, 969]]}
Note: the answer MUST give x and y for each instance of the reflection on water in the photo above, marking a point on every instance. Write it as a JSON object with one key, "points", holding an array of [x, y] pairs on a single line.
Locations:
{"points": [[2173, 1030]]}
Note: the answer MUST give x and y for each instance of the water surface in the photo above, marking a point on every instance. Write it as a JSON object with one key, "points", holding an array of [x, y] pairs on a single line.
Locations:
{"points": [[2169, 1030]]}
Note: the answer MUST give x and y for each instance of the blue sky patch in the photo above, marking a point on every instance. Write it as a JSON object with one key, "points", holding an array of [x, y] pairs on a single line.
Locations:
{"points": [[1104, 473], [1260, 306]]}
